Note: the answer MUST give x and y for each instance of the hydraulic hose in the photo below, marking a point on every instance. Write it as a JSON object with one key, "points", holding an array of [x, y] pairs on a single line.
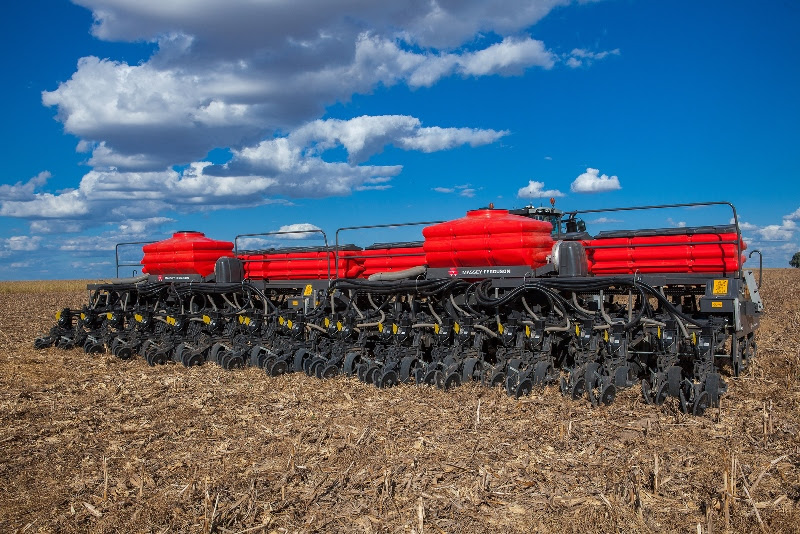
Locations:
{"points": [[485, 329], [412, 272]]}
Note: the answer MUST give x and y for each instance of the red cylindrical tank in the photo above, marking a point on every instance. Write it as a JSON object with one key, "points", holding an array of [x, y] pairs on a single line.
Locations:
{"points": [[488, 238], [310, 264], [185, 252], [391, 257], [254, 265], [690, 250]]}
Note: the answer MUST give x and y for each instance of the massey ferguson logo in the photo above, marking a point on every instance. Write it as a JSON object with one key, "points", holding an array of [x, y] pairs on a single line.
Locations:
{"points": [[160, 277], [454, 272]]}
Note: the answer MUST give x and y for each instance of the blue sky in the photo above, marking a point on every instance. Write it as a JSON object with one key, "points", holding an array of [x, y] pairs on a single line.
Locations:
{"points": [[127, 120]]}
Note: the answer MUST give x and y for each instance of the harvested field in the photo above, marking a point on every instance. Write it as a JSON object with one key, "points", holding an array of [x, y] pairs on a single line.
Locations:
{"points": [[93, 443]]}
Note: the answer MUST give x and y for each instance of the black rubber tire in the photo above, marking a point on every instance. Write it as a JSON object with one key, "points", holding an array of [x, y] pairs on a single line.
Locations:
{"points": [[608, 394], [159, 358], [195, 359], [430, 377], [578, 389], [387, 380], [524, 388], [148, 354], [235, 361], [497, 379], [319, 366], [215, 352], [363, 367], [142, 350], [280, 367], [372, 374], [257, 356], [310, 366], [453, 380], [180, 354], [329, 371]]}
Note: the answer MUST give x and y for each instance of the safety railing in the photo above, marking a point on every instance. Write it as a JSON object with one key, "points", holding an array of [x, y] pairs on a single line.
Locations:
{"points": [[326, 249], [128, 264], [737, 242], [379, 227]]}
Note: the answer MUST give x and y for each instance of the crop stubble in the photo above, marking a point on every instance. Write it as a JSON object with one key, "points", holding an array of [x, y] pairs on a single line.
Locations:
{"points": [[92, 443]]}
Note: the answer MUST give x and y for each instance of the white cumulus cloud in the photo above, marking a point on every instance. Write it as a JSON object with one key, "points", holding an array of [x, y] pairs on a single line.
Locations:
{"points": [[536, 189], [23, 243], [291, 166], [224, 74], [593, 182], [434, 139], [254, 78], [511, 56], [46, 206], [298, 231], [365, 136], [23, 190], [143, 227], [778, 232]]}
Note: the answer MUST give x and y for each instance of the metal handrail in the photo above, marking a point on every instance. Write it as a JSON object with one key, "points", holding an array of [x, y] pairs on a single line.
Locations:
{"points": [[738, 242], [116, 253], [637, 245], [376, 226], [760, 264], [315, 231]]}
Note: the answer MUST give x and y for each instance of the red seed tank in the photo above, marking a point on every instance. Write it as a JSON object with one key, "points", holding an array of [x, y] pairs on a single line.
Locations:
{"points": [[704, 249], [391, 257], [488, 237], [310, 263], [185, 252], [254, 264]]}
